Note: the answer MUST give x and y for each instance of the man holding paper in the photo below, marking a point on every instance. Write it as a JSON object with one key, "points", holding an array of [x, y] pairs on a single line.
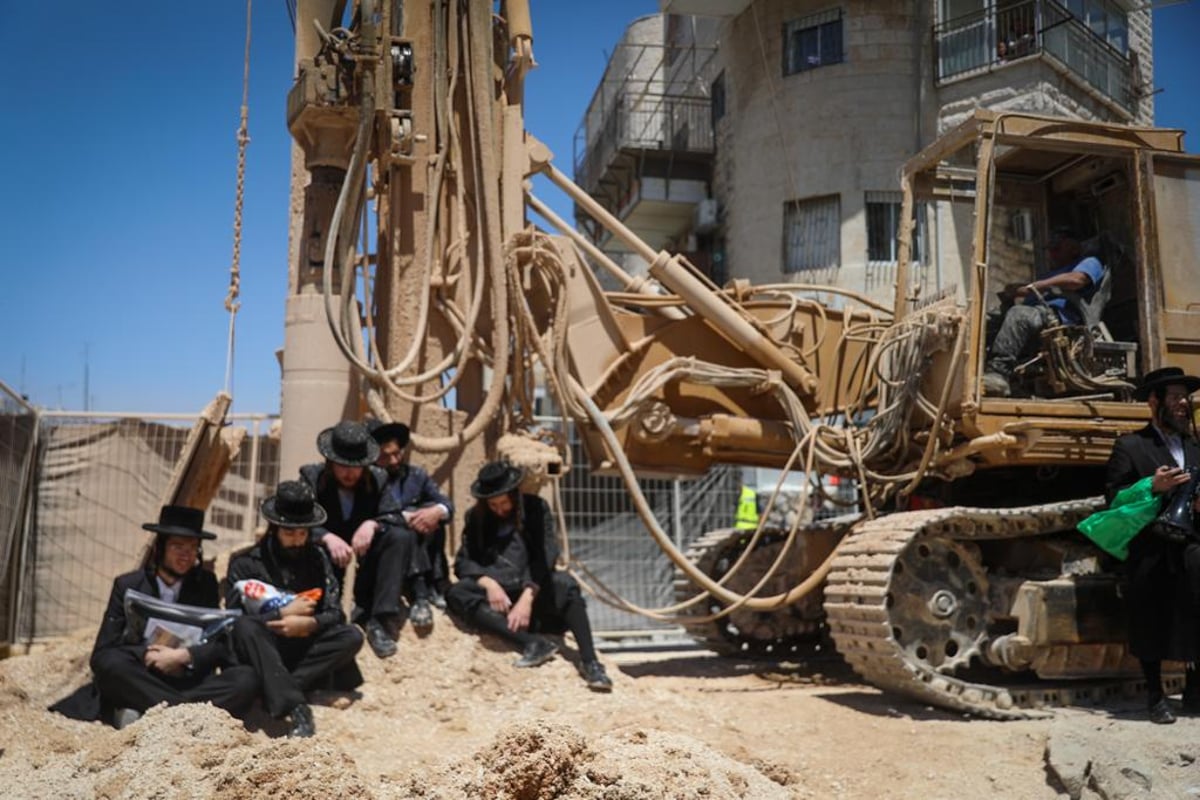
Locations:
{"points": [[140, 663]]}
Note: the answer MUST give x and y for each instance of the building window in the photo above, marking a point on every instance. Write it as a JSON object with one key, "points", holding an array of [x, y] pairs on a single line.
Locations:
{"points": [[717, 95], [812, 234], [813, 41], [883, 229]]}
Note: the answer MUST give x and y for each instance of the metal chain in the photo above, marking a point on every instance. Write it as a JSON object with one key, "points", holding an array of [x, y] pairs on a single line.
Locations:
{"points": [[235, 267]]}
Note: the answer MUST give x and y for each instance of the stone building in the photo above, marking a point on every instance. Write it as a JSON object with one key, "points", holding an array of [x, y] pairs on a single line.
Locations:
{"points": [[811, 108]]}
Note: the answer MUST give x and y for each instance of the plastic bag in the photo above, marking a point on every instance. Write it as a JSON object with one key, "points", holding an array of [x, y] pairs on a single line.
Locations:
{"points": [[259, 597], [1133, 508], [151, 620]]}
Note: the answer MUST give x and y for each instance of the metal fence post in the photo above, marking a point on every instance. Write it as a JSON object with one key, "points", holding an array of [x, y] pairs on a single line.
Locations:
{"points": [[252, 495]]}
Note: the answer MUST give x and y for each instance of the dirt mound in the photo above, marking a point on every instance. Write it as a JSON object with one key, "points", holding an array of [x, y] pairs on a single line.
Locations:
{"points": [[543, 761], [449, 717]]}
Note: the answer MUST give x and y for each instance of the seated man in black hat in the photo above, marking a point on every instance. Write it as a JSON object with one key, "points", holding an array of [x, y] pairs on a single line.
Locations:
{"points": [[306, 642], [349, 488], [507, 581], [1163, 575], [130, 674], [412, 499], [1068, 270]]}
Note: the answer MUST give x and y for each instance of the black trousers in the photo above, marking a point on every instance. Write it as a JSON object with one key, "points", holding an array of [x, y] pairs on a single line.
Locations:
{"points": [[124, 681], [395, 557], [557, 607], [288, 667]]}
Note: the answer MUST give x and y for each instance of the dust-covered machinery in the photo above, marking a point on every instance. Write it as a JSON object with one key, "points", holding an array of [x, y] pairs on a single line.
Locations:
{"points": [[959, 579]]}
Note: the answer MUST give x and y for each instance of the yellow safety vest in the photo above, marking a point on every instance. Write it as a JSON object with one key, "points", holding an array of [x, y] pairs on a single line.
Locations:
{"points": [[747, 510]]}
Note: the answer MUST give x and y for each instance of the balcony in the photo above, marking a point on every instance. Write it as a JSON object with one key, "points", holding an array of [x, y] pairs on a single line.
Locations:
{"points": [[980, 42], [644, 148]]}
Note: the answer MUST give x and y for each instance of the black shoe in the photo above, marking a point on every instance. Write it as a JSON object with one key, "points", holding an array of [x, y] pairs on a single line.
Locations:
{"points": [[1160, 713], [594, 675], [439, 600], [421, 615], [303, 725], [537, 652], [380, 640]]}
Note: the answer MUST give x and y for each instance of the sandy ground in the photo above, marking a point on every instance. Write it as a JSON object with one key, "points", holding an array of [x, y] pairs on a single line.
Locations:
{"points": [[449, 717]]}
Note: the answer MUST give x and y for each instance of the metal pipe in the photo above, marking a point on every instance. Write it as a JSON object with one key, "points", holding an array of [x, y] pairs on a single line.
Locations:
{"points": [[730, 322], [627, 281]]}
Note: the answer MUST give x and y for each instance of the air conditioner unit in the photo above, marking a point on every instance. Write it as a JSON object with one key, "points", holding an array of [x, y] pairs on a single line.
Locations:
{"points": [[705, 217]]}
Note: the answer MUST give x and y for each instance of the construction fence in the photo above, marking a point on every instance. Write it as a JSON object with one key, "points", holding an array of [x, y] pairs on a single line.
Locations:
{"points": [[75, 489]]}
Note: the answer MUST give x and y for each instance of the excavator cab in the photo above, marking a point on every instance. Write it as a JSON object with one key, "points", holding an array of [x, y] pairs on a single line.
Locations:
{"points": [[997, 187]]}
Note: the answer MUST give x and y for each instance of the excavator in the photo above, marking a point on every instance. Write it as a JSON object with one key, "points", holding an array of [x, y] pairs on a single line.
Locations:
{"points": [[421, 291]]}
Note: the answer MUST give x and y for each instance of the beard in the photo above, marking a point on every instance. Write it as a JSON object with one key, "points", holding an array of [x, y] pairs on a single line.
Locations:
{"points": [[1171, 423], [293, 553]]}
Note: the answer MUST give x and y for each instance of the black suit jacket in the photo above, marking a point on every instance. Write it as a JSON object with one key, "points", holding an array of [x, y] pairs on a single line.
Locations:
{"points": [[1138, 454], [478, 553], [198, 588], [367, 494]]}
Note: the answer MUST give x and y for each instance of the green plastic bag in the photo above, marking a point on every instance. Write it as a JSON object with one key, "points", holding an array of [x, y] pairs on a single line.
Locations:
{"points": [[1132, 509]]}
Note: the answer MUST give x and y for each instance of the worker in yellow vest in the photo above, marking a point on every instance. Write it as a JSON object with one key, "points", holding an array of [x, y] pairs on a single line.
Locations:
{"points": [[747, 510]]}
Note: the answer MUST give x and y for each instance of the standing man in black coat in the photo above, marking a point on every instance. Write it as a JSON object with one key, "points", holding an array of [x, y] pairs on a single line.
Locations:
{"points": [[507, 581], [349, 488], [300, 645], [132, 675], [412, 499], [1163, 574]]}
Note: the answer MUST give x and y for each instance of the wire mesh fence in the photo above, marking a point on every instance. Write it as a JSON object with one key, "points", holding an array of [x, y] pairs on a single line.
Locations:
{"points": [[99, 479], [18, 443], [95, 479]]}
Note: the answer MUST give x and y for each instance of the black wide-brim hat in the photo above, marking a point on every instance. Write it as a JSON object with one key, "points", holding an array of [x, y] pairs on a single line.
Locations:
{"points": [[294, 505], [180, 521], [496, 478], [1165, 376], [388, 431], [349, 444]]}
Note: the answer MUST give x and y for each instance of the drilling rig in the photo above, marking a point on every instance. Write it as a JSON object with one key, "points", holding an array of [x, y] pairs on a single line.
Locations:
{"points": [[421, 292]]}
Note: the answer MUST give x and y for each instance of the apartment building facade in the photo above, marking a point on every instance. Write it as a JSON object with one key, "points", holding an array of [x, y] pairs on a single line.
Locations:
{"points": [[813, 106]]}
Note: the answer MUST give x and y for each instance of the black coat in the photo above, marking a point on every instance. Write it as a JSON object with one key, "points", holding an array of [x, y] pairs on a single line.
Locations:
{"points": [[313, 570], [198, 588], [477, 555], [1164, 576], [367, 494], [412, 488]]}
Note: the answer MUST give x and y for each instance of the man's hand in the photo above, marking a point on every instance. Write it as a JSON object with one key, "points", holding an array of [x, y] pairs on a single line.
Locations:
{"points": [[496, 596], [299, 607], [1167, 478], [361, 541], [340, 553], [293, 627], [425, 520], [518, 615], [167, 660]]}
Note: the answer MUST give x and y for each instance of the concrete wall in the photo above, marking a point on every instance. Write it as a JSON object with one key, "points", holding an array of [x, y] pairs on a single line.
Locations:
{"points": [[846, 129]]}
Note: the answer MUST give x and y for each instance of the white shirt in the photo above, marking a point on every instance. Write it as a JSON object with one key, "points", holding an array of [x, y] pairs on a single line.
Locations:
{"points": [[166, 591], [1174, 444]]}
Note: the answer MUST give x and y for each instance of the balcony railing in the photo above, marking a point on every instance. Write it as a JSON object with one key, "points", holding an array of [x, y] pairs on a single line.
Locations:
{"points": [[644, 122], [986, 39]]}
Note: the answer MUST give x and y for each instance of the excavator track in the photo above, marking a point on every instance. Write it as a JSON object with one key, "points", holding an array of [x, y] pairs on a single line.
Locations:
{"points": [[758, 634], [906, 604]]}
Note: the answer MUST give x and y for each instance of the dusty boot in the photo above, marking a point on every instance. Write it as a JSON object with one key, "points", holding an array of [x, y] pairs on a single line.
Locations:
{"points": [[303, 724], [594, 675], [537, 652], [380, 639], [995, 384], [421, 615]]}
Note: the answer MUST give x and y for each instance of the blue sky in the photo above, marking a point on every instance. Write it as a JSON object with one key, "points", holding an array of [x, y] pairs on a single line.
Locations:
{"points": [[119, 128]]}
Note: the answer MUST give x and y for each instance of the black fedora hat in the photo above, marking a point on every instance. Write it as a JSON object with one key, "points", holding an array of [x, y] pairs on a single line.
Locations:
{"points": [[180, 521], [294, 505], [496, 478], [388, 431], [348, 443], [1165, 376]]}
